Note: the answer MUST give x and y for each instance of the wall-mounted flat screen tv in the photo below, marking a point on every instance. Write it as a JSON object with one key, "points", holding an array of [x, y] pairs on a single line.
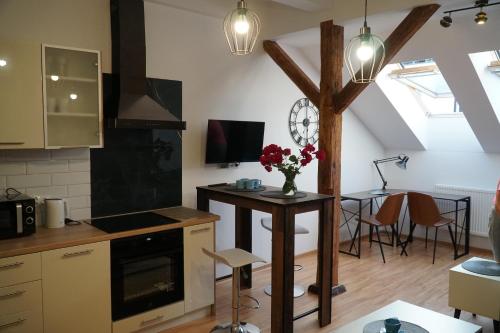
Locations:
{"points": [[231, 141]]}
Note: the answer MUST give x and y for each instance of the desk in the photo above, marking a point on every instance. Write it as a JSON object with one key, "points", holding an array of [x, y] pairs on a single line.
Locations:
{"points": [[283, 245], [365, 198], [432, 321]]}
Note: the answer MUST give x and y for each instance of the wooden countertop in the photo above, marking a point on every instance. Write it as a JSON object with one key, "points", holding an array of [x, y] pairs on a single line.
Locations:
{"points": [[49, 239]]}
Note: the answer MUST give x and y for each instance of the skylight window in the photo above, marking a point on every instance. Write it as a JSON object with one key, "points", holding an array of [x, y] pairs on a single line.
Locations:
{"points": [[425, 80], [494, 66], [487, 66]]}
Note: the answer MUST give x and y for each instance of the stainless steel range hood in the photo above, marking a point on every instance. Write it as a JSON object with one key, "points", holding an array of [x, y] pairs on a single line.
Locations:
{"points": [[135, 108]]}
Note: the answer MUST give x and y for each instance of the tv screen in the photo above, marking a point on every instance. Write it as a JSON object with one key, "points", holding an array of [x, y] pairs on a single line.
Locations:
{"points": [[234, 141]]}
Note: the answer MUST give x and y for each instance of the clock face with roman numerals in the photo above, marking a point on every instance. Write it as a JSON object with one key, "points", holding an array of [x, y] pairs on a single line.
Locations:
{"points": [[304, 122]]}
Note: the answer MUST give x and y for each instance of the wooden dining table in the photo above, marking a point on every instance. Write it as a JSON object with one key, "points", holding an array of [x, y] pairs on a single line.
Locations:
{"points": [[283, 245]]}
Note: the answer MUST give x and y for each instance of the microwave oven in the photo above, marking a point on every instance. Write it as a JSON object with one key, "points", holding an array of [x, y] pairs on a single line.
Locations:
{"points": [[17, 216]]}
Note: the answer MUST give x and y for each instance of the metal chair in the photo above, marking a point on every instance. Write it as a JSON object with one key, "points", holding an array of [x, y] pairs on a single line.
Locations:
{"points": [[236, 258], [298, 290], [387, 215], [425, 212]]}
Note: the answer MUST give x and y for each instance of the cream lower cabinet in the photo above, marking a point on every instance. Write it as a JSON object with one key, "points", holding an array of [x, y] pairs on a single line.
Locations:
{"points": [[76, 289], [199, 269], [21, 294]]}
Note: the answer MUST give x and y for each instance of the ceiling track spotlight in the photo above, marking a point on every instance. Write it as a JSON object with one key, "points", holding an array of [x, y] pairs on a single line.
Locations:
{"points": [[481, 18]]}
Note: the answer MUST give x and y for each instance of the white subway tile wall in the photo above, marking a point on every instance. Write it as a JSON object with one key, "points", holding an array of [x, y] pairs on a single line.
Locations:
{"points": [[62, 173]]}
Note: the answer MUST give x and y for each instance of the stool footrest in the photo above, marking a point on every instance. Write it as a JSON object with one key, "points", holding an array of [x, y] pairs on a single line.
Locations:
{"points": [[255, 307]]}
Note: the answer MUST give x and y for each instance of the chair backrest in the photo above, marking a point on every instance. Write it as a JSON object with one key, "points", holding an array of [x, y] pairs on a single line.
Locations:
{"points": [[389, 212], [423, 209]]}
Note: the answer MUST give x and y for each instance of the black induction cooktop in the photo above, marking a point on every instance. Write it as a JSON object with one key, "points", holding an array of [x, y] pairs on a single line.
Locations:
{"points": [[131, 221]]}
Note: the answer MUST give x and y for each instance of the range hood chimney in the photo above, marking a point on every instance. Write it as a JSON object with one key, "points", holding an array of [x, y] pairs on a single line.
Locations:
{"points": [[135, 108]]}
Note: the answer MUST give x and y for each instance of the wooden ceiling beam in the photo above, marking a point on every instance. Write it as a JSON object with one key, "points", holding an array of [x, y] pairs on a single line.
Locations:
{"points": [[393, 44], [292, 70]]}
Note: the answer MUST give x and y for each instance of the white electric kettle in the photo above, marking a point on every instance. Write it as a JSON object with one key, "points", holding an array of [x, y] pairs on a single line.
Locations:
{"points": [[55, 213]]}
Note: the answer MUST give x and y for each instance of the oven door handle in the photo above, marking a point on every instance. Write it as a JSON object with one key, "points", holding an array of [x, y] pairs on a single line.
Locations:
{"points": [[19, 218], [150, 321]]}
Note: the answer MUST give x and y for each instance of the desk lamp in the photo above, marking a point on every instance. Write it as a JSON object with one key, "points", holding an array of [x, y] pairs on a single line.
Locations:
{"points": [[401, 161]]}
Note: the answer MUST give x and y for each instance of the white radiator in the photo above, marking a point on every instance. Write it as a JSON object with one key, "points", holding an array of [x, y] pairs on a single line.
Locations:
{"points": [[481, 203]]}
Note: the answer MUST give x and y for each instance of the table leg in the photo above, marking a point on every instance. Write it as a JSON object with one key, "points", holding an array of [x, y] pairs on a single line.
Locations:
{"points": [[325, 263], [467, 229], [283, 248], [457, 313], [370, 238], [496, 326], [202, 202], [360, 225], [243, 240], [456, 230]]}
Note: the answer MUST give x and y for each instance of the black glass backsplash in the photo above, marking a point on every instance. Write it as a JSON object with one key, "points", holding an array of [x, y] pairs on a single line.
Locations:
{"points": [[138, 169]]}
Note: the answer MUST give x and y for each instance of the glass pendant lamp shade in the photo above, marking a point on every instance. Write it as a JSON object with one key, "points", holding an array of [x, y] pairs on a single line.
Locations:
{"points": [[365, 54], [242, 27]]}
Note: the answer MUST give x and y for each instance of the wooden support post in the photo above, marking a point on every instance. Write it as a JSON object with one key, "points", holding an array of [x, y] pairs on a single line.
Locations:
{"points": [[393, 44], [330, 138]]}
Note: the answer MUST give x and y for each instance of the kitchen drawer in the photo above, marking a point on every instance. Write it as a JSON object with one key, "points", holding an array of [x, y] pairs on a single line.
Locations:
{"points": [[15, 270], [149, 319], [22, 322], [21, 297]]}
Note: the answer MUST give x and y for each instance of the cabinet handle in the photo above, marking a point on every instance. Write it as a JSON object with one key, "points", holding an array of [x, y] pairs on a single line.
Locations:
{"points": [[14, 323], [13, 294], [150, 321], [12, 143], [76, 254], [13, 265], [196, 231]]}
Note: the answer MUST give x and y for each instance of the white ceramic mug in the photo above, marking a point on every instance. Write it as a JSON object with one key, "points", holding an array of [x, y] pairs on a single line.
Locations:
{"points": [[55, 213]]}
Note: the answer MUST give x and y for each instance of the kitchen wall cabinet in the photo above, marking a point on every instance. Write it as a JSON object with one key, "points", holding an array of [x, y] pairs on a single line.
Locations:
{"points": [[21, 112], [72, 97], [50, 98], [76, 289], [199, 269]]}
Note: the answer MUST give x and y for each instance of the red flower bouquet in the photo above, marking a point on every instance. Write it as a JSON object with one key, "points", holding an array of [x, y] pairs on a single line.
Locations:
{"points": [[290, 165]]}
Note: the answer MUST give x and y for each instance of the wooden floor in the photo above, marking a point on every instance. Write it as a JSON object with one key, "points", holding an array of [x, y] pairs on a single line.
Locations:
{"points": [[370, 285]]}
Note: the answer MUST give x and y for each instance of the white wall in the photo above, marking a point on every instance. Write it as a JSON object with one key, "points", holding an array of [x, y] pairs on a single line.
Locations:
{"points": [[465, 169], [191, 47], [63, 173]]}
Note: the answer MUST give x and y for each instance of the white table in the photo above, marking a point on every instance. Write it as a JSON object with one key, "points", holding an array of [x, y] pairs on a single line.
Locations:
{"points": [[475, 293], [432, 321]]}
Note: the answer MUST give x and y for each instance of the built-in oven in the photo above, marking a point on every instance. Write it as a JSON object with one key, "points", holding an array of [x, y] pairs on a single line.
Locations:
{"points": [[147, 272]]}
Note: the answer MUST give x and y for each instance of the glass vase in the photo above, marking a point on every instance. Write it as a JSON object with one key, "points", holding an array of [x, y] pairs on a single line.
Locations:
{"points": [[289, 188]]}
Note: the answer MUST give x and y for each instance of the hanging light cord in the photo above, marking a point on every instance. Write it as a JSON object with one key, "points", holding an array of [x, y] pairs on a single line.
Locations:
{"points": [[366, 12]]}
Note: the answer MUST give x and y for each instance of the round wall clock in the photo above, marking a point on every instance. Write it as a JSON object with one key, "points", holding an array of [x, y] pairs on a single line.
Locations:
{"points": [[304, 122]]}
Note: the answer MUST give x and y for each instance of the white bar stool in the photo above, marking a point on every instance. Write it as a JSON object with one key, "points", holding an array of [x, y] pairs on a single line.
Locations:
{"points": [[236, 258], [267, 223]]}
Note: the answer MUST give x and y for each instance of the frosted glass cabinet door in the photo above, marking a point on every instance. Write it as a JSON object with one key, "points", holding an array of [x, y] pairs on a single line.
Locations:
{"points": [[21, 108], [72, 97]]}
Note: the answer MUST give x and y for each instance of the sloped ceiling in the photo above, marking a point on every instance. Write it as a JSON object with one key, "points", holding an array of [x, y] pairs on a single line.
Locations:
{"points": [[280, 17], [450, 48]]}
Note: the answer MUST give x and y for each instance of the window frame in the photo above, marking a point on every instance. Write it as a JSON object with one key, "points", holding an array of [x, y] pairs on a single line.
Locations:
{"points": [[416, 68]]}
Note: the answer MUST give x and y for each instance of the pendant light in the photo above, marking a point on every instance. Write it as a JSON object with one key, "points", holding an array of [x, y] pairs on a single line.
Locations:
{"points": [[242, 27], [365, 54]]}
